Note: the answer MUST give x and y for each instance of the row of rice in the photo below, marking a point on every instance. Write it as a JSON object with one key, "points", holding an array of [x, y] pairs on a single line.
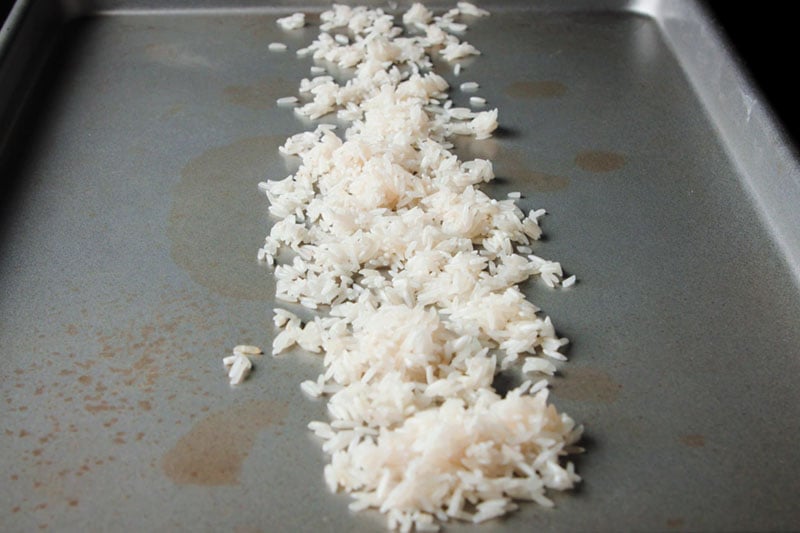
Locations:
{"points": [[419, 272]]}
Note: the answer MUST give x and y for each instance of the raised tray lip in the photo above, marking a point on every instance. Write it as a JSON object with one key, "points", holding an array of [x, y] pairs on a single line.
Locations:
{"points": [[748, 127]]}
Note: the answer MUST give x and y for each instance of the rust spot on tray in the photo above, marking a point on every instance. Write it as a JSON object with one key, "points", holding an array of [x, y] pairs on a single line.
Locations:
{"points": [[675, 522], [536, 89], [694, 440], [213, 451], [215, 225], [586, 385], [260, 95], [599, 161]]}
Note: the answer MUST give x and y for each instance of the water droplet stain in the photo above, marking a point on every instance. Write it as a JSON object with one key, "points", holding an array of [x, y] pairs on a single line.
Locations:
{"points": [[213, 451], [260, 95], [586, 385], [528, 90], [216, 223], [599, 161]]}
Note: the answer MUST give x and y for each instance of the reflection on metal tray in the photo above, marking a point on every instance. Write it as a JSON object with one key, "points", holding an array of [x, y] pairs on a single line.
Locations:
{"points": [[130, 221]]}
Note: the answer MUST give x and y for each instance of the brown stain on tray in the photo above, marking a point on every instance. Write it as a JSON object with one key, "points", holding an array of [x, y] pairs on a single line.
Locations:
{"points": [[535, 180], [260, 95], [675, 523], [510, 163], [536, 89], [599, 161], [586, 385], [103, 397], [693, 440], [213, 451], [216, 223]]}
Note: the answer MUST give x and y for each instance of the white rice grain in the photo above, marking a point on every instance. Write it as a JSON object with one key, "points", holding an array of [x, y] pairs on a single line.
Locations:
{"points": [[418, 270], [292, 22], [311, 388], [239, 366], [286, 100], [468, 8], [246, 349]]}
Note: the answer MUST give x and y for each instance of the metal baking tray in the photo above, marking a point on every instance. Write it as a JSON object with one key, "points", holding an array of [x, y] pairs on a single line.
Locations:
{"points": [[133, 136]]}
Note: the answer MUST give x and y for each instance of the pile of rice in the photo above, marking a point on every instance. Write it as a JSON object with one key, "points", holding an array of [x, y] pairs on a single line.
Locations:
{"points": [[419, 271]]}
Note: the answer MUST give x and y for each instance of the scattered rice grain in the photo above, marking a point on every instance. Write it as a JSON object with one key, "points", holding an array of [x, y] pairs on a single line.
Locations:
{"points": [[292, 22], [286, 100], [247, 349], [239, 367]]}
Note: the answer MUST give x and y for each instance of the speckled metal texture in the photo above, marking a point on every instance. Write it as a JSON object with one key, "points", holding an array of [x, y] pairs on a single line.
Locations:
{"points": [[131, 220]]}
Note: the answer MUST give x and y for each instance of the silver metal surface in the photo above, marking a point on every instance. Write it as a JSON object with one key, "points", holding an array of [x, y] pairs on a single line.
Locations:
{"points": [[130, 221]]}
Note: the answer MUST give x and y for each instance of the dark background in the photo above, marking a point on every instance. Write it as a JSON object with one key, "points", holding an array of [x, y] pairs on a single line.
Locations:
{"points": [[5, 6], [762, 36]]}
